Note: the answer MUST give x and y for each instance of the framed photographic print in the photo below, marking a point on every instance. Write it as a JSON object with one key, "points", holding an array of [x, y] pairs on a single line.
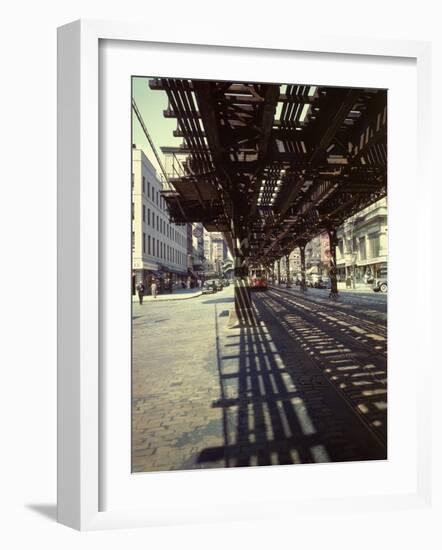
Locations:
{"points": [[231, 231]]}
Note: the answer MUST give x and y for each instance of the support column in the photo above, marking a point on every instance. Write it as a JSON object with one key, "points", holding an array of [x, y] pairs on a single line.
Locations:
{"points": [[302, 254], [287, 263], [333, 267], [243, 300]]}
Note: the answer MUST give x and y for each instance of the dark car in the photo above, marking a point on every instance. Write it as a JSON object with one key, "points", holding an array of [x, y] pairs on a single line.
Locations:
{"points": [[209, 287], [218, 284], [322, 283]]}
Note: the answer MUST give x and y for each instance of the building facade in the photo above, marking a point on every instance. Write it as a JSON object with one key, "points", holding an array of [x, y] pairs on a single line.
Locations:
{"points": [[159, 248], [362, 249], [197, 247]]}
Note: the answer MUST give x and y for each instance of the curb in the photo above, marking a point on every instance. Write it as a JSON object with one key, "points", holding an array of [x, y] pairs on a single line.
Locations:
{"points": [[170, 299]]}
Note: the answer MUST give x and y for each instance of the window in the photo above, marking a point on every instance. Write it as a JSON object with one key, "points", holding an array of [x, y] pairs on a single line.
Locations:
{"points": [[144, 243], [158, 223], [148, 244], [148, 216], [133, 241], [133, 211], [374, 241], [158, 248], [153, 246], [148, 189], [157, 197], [362, 249], [144, 213], [341, 247], [144, 185], [133, 180]]}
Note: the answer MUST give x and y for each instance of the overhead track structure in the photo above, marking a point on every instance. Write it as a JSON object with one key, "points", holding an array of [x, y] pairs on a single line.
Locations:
{"points": [[272, 166]]}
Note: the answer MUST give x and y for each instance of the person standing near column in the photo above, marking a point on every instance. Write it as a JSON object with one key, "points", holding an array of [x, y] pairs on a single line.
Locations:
{"points": [[140, 291]]}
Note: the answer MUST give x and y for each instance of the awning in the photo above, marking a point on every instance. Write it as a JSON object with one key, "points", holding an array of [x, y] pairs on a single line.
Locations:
{"points": [[172, 270]]}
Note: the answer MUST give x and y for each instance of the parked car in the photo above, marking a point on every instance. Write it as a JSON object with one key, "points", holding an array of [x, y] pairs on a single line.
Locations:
{"points": [[226, 282], [219, 284], [209, 287], [380, 282], [322, 283]]}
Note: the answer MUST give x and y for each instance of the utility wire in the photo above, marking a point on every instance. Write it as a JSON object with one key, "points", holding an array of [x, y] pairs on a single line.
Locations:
{"points": [[149, 139]]}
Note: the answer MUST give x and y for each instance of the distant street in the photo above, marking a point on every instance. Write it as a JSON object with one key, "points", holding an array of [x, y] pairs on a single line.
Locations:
{"points": [[307, 384]]}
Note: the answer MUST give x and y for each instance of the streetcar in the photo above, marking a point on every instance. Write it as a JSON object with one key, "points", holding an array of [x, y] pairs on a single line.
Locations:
{"points": [[258, 279]]}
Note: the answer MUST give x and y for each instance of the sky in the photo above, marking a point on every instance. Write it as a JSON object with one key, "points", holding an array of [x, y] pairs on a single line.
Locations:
{"points": [[151, 104]]}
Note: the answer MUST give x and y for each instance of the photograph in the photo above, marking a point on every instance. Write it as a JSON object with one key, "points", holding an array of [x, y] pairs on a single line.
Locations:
{"points": [[259, 273]]}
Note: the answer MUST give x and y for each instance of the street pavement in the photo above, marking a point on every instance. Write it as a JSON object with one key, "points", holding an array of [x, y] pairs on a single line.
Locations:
{"points": [[306, 384]]}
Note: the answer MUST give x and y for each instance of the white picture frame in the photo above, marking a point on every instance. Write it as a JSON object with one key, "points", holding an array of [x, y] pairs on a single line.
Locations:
{"points": [[79, 272]]}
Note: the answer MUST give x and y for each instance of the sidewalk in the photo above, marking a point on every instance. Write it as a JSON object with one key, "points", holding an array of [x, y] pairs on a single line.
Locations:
{"points": [[177, 294], [360, 288]]}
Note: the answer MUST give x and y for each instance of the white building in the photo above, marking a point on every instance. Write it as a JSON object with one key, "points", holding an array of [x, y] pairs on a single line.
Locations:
{"points": [[363, 243], [159, 248]]}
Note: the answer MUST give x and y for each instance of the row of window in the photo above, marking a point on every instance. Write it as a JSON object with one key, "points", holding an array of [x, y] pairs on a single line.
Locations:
{"points": [[359, 245], [163, 251], [161, 225], [152, 193]]}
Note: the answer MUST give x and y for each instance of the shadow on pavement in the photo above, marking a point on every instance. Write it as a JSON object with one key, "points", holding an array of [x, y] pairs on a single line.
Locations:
{"points": [[279, 407], [219, 301]]}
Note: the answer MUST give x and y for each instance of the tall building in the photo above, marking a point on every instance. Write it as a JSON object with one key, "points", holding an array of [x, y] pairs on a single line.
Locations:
{"points": [[215, 251], [197, 247], [207, 244], [159, 248], [219, 251]]}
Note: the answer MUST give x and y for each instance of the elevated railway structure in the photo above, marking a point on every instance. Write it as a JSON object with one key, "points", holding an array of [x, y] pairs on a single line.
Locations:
{"points": [[271, 166]]}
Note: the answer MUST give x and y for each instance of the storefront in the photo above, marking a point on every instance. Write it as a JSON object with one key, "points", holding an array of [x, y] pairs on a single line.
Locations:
{"points": [[167, 278], [143, 272]]}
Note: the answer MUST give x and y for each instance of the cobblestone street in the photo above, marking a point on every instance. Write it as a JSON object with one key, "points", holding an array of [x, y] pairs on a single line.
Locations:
{"points": [[308, 384]]}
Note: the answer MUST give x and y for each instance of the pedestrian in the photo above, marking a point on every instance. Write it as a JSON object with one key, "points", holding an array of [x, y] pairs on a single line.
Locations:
{"points": [[153, 288], [140, 290]]}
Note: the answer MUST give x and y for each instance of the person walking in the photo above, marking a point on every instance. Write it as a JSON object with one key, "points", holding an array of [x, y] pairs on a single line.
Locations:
{"points": [[153, 288], [140, 290]]}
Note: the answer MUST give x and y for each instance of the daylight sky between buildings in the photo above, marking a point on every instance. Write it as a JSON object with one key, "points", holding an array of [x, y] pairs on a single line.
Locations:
{"points": [[151, 104]]}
